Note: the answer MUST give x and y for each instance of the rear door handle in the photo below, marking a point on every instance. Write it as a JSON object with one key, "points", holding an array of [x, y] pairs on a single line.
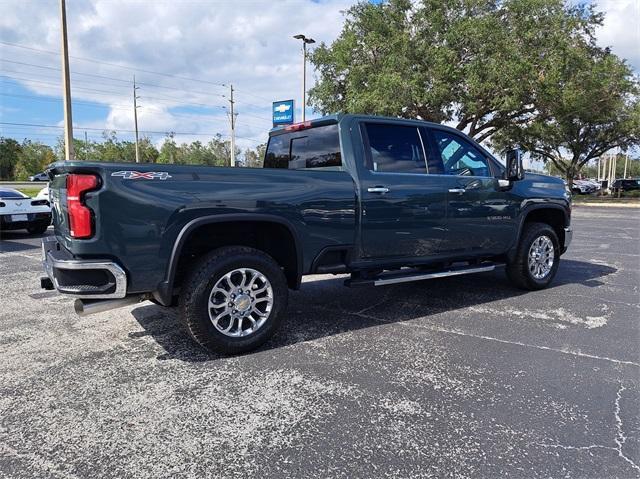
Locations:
{"points": [[457, 190], [378, 189]]}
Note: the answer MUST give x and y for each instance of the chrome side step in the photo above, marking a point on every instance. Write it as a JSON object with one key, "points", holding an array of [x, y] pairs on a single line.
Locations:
{"points": [[405, 276]]}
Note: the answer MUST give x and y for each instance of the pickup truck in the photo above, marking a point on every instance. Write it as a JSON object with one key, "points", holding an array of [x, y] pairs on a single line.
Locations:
{"points": [[385, 200]]}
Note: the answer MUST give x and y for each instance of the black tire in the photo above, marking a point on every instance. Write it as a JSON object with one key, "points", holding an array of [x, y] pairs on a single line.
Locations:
{"points": [[37, 229], [518, 270], [204, 275]]}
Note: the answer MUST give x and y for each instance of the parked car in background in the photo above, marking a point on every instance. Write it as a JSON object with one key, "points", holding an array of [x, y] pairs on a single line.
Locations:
{"points": [[626, 185], [39, 177], [583, 187], [43, 194], [595, 183], [19, 211]]}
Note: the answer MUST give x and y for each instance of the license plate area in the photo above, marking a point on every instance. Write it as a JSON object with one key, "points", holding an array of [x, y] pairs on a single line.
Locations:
{"points": [[17, 218]]}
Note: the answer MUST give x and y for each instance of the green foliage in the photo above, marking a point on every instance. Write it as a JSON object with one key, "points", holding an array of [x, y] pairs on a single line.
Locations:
{"points": [[18, 161], [513, 71], [9, 151], [254, 158], [477, 62], [33, 158], [587, 104], [216, 152]]}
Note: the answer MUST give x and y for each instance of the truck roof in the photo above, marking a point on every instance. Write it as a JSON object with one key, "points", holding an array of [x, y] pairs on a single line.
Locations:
{"points": [[339, 117]]}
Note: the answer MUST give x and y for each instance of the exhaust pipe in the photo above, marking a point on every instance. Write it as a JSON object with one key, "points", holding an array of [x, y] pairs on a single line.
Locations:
{"points": [[85, 307]]}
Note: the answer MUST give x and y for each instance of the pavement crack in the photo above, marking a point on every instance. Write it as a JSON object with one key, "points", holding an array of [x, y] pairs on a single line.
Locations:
{"points": [[621, 438], [577, 448]]}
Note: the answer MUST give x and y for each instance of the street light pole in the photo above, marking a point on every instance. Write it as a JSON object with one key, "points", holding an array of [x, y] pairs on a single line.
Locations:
{"points": [[66, 85], [305, 41]]}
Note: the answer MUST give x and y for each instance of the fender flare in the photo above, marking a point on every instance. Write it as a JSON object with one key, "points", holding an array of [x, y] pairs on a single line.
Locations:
{"points": [[164, 293], [523, 216]]}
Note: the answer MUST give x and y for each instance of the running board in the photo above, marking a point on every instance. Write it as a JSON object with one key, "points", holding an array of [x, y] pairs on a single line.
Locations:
{"points": [[417, 275]]}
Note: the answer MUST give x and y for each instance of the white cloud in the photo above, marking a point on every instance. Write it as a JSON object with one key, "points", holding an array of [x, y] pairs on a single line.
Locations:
{"points": [[621, 29], [248, 44]]}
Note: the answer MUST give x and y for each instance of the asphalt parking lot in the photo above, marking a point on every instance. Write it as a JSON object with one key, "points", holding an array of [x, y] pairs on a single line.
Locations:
{"points": [[459, 377]]}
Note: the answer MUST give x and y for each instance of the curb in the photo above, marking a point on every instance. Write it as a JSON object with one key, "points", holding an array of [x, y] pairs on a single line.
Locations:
{"points": [[609, 204]]}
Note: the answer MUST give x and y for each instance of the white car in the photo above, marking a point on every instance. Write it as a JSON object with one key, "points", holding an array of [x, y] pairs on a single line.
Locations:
{"points": [[19, 211], [43, 194]]}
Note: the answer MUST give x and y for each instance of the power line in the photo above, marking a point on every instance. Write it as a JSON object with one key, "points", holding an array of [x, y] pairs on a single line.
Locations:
{"points": [[34, 125], [134, 69], [115, 65], [119, 106]]}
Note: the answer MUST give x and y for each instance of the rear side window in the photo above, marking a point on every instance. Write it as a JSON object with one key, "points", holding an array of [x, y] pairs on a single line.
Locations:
{"points": [[314, 148], [395, 148]]}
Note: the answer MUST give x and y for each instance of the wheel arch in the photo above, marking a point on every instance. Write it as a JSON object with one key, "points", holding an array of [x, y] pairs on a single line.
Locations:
{"points": [[292, 263], [555, 215]]}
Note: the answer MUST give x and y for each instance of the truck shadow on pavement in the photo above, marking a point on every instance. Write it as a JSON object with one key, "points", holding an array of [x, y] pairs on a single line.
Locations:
{"points": [[324, 307]]}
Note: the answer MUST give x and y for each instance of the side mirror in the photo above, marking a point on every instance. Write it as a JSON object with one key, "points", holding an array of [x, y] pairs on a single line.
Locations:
{"points": [[515, 169]]}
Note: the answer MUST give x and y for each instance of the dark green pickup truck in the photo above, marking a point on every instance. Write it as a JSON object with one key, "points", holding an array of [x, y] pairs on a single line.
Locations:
{"points": [[386, 200]]}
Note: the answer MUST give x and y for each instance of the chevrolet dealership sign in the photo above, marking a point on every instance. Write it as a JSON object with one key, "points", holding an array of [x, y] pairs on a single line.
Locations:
{"points": [[282, 112]]}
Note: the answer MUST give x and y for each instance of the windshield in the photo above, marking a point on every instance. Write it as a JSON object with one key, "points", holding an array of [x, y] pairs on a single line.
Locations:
{"points": [[11, 194]]}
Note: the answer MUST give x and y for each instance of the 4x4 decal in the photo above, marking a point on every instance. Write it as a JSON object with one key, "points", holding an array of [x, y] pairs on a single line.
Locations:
{"points": [[142, 175]]}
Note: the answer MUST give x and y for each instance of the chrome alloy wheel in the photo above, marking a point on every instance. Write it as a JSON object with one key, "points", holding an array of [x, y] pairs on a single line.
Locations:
{"points": [[240, 302], [541, 257]]}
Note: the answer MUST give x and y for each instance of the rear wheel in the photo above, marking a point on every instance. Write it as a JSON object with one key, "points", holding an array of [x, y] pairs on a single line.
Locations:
{"points": [[234, 299], [537, 258], [37, 229]]}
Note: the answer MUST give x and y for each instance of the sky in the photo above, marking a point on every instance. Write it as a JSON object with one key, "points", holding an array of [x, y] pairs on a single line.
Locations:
{"points": [[184, 55]]}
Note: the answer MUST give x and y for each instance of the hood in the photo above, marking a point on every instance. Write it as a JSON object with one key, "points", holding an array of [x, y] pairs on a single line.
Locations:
{"points": [[539, 178]]}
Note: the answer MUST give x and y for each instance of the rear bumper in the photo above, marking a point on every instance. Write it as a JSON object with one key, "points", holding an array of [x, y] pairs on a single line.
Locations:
{"points": [[568, 236], [32, 220], [89, 279]]}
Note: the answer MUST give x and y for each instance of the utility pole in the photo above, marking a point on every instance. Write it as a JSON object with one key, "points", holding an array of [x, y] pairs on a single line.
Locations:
{"points": [[66, 85], [232, 119], [305, 41], [135, 117], [86, 146], [626, 163]]}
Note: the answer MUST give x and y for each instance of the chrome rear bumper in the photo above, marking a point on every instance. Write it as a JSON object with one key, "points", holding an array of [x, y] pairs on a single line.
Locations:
{"points": [[87, 279]]}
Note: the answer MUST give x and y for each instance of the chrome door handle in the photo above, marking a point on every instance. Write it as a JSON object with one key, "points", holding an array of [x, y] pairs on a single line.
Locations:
{"points": [[378, 189], [457, 190]]}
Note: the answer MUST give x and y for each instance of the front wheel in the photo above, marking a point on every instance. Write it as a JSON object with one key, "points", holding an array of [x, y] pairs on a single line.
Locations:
{"points": [[537, 257], [234, 299]]}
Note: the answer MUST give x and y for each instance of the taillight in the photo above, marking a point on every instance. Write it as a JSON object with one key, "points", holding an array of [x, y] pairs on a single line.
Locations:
{"points": [[40, 203], [80, 224], [2, 204]]}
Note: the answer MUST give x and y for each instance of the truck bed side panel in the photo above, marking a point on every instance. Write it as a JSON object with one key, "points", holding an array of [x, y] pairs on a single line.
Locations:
{"points": [[139, 220]]}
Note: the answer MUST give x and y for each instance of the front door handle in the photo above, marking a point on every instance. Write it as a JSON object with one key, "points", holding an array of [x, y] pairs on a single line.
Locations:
{"points": [[378, 189], [457, 190]]}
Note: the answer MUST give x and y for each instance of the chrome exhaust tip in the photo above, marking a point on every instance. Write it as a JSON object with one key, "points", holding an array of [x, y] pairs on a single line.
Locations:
{"points": [[85, 307]]}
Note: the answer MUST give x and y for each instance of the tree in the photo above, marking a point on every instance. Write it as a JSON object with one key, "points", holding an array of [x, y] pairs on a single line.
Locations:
{"points": [[9, 156], [33, 158], [587, 105], [475, 62], [253, 158]]}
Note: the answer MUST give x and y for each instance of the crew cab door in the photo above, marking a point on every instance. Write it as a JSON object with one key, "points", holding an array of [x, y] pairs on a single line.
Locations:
{"points": [[402, 206], [480, 215]]}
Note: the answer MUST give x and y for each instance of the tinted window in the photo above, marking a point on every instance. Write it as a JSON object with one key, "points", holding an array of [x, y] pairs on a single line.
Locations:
{"points": [[315, 148], [11, 194], [395, 148], [460, 157]]}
